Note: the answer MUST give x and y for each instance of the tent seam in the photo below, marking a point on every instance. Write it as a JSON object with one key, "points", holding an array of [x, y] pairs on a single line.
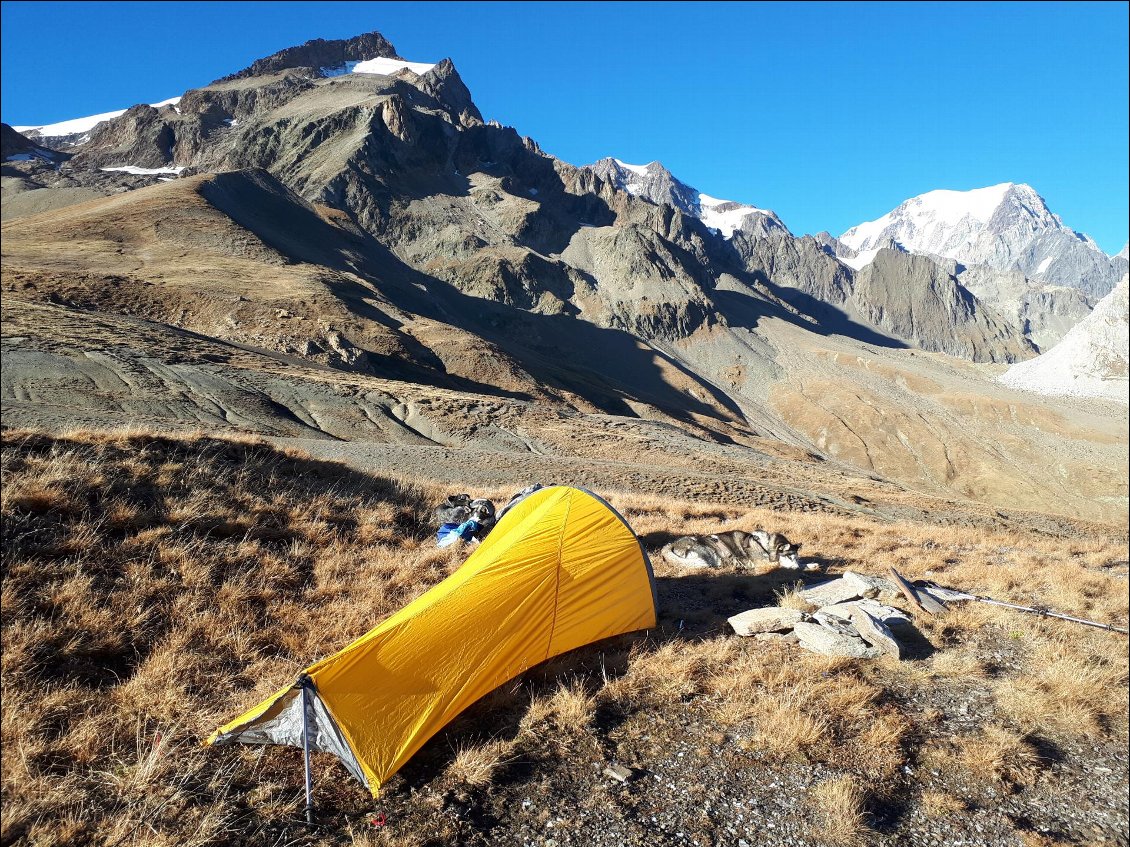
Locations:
{"points": [[557, 587]]}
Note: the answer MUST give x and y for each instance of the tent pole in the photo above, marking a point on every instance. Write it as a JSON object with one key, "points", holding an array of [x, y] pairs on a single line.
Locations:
{"points": [[304, 686]]}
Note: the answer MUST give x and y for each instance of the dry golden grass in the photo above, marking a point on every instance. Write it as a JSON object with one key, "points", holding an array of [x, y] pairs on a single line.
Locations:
{"points": [[791, 598], [1001, 755], [475, 766], [1066, 689], [838, 807], [939, 804], [153, 587]]}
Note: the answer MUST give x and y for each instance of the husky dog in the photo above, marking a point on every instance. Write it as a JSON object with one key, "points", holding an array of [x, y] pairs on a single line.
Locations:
{"points": [[482, 511], [734, 549], [455, 509]]}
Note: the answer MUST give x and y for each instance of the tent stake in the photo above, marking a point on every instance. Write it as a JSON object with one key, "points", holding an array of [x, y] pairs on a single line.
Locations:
{"points": [[304, 686]]}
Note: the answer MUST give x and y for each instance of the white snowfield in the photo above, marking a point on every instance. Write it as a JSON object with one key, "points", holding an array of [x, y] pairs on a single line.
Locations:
{"points": [[1092, 360], [861, 260], [636, 169], [385, 67], [726, 221], [77, 125], [928, 216]]}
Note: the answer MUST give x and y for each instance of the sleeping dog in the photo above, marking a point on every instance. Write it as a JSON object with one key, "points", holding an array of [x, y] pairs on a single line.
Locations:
{"points": [[734, 549]]}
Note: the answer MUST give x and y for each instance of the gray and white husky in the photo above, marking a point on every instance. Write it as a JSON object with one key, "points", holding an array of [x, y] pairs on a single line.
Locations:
{"points": [[735, 549]]}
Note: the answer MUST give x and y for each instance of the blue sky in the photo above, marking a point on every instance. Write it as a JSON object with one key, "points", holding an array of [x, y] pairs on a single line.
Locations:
{"points": [[828, 113]]}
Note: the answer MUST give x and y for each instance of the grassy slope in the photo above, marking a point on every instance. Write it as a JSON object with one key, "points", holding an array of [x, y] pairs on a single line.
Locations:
{"points": [[154, 587]]}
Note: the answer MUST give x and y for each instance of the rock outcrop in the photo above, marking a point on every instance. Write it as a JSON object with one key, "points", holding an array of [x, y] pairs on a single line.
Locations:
{"points": [[911, 297], [319, 53]]}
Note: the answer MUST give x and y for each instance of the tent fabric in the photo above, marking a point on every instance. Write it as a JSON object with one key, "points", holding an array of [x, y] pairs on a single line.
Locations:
{"points": [[560, 570]]}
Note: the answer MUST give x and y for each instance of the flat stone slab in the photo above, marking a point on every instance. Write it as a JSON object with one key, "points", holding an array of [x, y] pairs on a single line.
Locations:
{"points": [[830, 636], [768, 619], [850, 586], [887, 614]]}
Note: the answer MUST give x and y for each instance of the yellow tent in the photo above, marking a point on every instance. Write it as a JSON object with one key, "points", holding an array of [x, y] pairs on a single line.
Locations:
{"points": [[560, 570]]}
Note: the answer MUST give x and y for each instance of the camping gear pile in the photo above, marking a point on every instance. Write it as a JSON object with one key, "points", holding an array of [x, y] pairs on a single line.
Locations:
{"points": [[462, 519]]}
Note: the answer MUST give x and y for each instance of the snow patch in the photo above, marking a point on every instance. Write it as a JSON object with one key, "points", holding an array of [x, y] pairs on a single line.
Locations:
{"points": [[860, 260], [640, 170], [387, 67], [77, 125], [726, 216], [1043, 265]]}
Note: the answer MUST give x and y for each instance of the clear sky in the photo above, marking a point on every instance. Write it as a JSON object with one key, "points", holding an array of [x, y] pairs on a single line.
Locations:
{"points": [[828, 113]]}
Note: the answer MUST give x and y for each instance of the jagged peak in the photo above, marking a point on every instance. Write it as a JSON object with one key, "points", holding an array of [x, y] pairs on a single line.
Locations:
{"points": [[321, 53], [444, 83]]}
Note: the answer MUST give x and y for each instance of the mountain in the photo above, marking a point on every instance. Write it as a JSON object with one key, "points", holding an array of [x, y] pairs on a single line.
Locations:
{"points": [[1090, 361], [1124, 253], [655, 183], [16, 147], [349, 255], [1006, 227]]}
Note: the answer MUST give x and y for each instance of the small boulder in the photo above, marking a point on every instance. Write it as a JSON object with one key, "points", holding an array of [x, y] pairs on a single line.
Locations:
{"points": [[876, 633], [618, 772], [769, 619]]}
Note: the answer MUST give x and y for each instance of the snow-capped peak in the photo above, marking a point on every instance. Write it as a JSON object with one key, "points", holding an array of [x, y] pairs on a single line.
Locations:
{"points": [[655, 183], [1007, 227], [926, 223], [1124, 253], [76, 126]]}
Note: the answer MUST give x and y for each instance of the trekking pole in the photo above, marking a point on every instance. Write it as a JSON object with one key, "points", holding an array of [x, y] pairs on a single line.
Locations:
{"points": [[952, 594], [303, 684]]}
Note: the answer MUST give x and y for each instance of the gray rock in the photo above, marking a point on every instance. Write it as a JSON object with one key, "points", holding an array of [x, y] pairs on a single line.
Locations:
{"points": [[831, 592], [618, 772], [830, 636], [886, 614], [770, 619], [785, 637], [876, 633], [915, 299], [850, 586]]}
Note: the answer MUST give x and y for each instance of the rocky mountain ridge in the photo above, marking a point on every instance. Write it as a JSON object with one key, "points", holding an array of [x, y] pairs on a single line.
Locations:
{"points": [[374, 225]]}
